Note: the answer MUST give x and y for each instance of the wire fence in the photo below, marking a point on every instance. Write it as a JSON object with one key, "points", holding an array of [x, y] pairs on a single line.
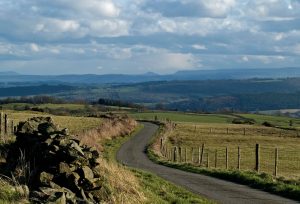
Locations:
{"points": [[278, 161]]}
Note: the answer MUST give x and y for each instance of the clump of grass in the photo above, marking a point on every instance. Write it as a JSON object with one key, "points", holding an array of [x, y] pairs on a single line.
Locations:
{"points": [[121, 185], [12, 192], [107, 130]]}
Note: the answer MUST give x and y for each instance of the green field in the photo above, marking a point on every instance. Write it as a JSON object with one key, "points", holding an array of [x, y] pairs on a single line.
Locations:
{"points": [[275, 120], [184, 117]]}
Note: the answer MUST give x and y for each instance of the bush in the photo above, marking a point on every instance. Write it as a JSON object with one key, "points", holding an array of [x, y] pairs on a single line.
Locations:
{"points": [[243, 121]]}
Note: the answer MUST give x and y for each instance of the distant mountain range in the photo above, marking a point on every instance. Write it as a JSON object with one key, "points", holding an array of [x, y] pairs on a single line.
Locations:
{"points": [[6, 77]]}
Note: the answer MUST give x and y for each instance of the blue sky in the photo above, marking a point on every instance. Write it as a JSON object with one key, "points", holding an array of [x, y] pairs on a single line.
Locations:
{"points": [[138, 36]]}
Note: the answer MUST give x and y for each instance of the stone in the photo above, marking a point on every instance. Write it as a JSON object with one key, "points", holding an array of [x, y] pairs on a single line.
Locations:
{"points": [[49, 141], [64, 168], [49, 191], [87, 173], [47, 128], [54, 185], [64, 142], [46, 178], [97, 171], [77, 148], [58, 198], [96, 183], [65, 131]]}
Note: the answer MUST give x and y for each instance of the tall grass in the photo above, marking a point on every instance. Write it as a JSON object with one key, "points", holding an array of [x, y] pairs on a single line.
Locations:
{"points": [[120, 184]]}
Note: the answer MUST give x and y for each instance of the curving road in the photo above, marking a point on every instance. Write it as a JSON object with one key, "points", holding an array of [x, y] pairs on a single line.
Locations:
{"points": [[133, 154]]}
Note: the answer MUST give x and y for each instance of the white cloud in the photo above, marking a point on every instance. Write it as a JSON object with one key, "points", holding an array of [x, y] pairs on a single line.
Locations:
{"points": [[245, 59], [199, 47], [57, 25], [34, 47], [167, 25], [219, 8], [296, 49], [165, 35], [108, 28]]}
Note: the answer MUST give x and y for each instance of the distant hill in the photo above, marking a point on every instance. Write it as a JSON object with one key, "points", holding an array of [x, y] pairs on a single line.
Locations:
{"points": [[150, 76], [8, 73]]}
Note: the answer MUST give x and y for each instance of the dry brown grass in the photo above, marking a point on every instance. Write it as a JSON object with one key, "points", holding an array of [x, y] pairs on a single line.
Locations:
{"points": [[120, 184], [107, 130]]}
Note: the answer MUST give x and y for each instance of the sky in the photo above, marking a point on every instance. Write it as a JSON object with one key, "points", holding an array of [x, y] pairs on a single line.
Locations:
{"points": [[139, 36]]}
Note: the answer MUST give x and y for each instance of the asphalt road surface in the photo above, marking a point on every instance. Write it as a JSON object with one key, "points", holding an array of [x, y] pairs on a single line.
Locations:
{"points": [[132, 154]]}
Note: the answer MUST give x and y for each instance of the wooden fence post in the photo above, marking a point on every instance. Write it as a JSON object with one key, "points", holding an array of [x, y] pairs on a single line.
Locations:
{"points": [[5, 124], [276, 162], [179, 154], [207, 164], [216, 158], [227, 131], [226, 158], [192, 155], [201, 156], [12, 127], [239, 159], [175, 154], [257, 157], [161, 144], [244, 131], [185, 155], [1, 116]]}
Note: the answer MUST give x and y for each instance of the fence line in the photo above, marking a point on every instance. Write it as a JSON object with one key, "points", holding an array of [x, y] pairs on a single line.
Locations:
{"points": [[275, 161]]}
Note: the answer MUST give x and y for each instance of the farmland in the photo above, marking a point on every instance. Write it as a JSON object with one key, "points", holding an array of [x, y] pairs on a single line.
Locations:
{"points": [[217, 133], [184, 117], [124, 184], [74, 124]]}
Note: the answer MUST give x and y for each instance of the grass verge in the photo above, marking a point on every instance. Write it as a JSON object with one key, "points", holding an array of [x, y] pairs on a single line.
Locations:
{"points": [[155, 189], [265, 182]]}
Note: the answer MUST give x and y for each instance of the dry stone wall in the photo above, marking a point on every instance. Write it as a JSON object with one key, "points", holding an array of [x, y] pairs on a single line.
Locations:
{"points": [[62, 170]]}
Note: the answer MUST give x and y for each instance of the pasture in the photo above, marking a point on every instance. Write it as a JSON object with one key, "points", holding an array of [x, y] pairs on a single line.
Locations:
{"points": [[279, 146], [183, 117]]}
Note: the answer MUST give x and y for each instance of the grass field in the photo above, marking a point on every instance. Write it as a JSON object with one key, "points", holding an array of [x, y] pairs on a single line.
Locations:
{"points": [[275, 120], [216, 139], [218, 135], [217, 132], [74, 124], [184, 117]]}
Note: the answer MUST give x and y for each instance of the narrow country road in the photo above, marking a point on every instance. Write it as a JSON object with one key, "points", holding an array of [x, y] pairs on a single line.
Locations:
{"points": [[133, 154]]}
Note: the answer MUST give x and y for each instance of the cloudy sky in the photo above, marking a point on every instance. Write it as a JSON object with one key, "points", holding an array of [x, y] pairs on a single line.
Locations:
{"points": [[138, 36]]}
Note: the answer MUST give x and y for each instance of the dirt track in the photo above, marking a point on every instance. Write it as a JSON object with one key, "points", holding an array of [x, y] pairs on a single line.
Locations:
{"points": [[133, 154]]}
